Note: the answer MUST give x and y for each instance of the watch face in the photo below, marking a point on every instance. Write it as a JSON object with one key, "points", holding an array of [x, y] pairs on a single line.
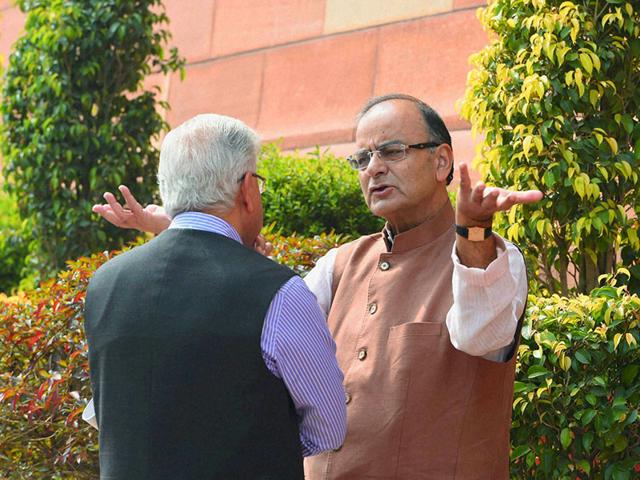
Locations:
{"points": [[476, 234]]}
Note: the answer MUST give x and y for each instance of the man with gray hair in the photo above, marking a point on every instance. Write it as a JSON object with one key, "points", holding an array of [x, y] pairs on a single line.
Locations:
{"points": [[207, 359]]}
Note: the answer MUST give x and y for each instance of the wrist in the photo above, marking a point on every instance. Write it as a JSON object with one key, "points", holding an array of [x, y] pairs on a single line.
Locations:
{"points": [[474, 233]]}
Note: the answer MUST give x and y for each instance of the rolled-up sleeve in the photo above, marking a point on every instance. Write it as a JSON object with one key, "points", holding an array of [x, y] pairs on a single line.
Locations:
{"points": [[298, 348], [487, 303]]}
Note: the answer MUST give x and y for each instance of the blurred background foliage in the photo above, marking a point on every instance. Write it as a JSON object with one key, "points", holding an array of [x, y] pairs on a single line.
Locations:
{"points": [[77, 120], [313, 193]]}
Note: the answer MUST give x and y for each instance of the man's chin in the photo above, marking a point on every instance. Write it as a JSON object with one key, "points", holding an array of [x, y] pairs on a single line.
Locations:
{"points": [[382, 208]]}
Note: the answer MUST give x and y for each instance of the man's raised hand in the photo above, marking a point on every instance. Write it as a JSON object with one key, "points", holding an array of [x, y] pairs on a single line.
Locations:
{"points": [[151, 218], [476, 206]]}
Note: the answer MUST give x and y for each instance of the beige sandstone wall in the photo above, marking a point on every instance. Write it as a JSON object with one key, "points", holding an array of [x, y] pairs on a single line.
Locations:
{"points": [[298, 70]]}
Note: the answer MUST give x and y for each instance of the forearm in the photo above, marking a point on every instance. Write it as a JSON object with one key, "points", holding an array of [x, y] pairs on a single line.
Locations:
{"points": [[476, 254], [487, 303]]}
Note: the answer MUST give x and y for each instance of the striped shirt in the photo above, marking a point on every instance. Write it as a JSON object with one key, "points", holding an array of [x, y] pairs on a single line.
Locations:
{"points": [[297, 348]]}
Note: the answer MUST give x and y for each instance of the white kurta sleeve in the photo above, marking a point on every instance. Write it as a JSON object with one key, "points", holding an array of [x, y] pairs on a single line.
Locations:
{"points": [[487, 303], [320, 279], [89, 414]]}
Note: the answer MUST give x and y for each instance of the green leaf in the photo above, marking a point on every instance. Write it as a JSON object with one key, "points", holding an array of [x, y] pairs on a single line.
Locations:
{"points": [[583, 356], [587, 440], [587, 416], [536, 371], [520, 451], [565, 438]]}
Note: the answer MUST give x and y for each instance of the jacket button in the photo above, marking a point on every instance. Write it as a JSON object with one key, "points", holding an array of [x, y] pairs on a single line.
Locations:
{"points": [[373, 308], [362, 353], [347, 398], [384, 266]]}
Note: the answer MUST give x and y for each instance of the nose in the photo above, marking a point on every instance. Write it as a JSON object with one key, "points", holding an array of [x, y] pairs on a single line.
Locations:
{"points": [[376, 165]]}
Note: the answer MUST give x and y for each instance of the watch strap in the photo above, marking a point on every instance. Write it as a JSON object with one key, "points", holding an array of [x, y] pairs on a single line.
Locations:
{"points": [[474, 234]]}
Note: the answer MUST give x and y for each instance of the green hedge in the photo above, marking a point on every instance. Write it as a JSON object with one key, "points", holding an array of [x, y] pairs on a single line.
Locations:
{"points": [[313, 193], [577, 392], [14, 246]]}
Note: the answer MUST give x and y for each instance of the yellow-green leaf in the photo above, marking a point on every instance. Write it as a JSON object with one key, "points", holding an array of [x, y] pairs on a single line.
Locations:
{"points": [[587, 64], [616, 340], [579, 186], [526, 145], [565, 363]]}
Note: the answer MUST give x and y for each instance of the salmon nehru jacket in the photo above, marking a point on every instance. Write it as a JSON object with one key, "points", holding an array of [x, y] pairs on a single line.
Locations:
{"points": [[418, 408]]}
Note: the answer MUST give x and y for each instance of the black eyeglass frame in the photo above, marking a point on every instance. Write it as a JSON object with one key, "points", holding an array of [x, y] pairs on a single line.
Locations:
{"points": [[262, 182], [419, 146]]}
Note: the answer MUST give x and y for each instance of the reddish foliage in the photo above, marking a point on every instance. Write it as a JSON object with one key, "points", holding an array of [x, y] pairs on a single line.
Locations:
{"points": [[44, 384]]}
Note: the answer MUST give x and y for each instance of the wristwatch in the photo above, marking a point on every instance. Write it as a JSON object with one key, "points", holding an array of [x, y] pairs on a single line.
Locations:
{"points": [[474, 234]]}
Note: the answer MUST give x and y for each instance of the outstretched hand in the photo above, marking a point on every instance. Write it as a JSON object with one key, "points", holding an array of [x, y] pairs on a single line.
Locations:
{"points": [[151, 218], [476, 206], [262, 246]]}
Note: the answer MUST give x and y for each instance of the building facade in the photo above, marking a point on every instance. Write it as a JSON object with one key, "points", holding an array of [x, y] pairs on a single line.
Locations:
{"points": [[298, 70]]}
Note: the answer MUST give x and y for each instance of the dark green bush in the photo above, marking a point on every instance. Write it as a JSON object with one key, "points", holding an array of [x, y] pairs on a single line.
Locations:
{"points": [[14, 246], [577, 392], [313, 194], [76, 120]]}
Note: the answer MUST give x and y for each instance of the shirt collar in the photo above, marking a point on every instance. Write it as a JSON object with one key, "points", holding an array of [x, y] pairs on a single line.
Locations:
{"points": [[205, 222], [441, 222]]}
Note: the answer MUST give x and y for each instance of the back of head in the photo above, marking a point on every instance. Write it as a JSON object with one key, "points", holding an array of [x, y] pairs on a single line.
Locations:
{"points": [[434, 124], [201, 162]]}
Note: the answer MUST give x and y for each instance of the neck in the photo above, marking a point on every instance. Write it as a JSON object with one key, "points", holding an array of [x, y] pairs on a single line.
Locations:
{"points": [[233, 218], [405, 224]]}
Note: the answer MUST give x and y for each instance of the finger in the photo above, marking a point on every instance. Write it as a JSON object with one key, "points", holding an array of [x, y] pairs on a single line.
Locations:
{"points": [[489, 202], [526, 197], [130, 200], [465, 179], [111, 217], [116, 208], [478, 193]]}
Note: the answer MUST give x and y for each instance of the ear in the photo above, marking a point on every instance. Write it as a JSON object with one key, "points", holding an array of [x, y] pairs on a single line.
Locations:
{"points": [[444, 162], [247, 197]]}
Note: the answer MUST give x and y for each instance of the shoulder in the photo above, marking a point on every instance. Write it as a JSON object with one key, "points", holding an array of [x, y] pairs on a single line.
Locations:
{"points": [[363, 243]]}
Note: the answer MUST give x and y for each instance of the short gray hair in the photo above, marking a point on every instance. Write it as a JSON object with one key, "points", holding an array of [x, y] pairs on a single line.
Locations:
{"points": [[201, 162]]}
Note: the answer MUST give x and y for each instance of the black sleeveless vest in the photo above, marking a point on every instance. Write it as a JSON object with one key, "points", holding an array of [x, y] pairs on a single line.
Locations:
{"points": [[180, 387]]}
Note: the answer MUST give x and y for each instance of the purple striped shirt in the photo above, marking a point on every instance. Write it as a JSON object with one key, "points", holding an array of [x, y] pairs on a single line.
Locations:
{"points": [[297, 348]]}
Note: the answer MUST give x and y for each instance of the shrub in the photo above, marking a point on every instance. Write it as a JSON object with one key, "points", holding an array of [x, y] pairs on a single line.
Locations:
{"points": [[14, 247], [577, 392], [313, 193], [76, 119], [44, 384], [301, 253], [555, 94]]}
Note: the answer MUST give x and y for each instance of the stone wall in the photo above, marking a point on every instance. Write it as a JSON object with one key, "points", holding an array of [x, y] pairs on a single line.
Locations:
{"points": [[298, 70]]}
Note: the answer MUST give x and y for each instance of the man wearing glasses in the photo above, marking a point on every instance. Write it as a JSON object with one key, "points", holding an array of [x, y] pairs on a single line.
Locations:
{"points": [[425, 314]]}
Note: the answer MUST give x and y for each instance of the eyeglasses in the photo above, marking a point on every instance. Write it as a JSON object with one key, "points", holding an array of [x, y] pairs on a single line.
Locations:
{"points": [[394, 152], [262, 182]]}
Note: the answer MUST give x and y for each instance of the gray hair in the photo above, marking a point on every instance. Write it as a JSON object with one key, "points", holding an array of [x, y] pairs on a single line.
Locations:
{"points": [[201, 162]]}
